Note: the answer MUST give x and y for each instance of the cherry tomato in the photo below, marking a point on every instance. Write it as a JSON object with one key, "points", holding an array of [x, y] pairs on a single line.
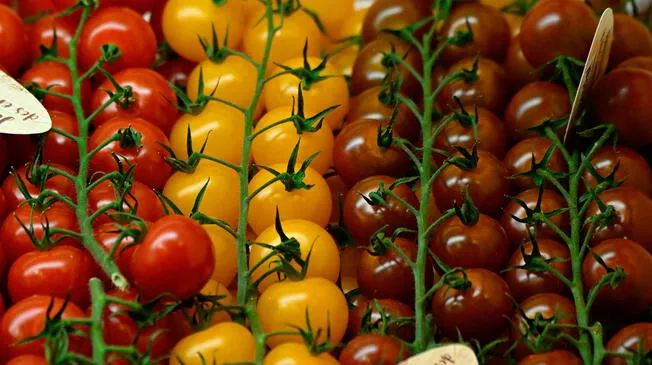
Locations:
{"points": [[276, 144], [42, 33], [30, 8], [392, 14], [27, 360], [4, 157], [57, 183], [148, 158], [176, 71], [222, 343], [629, 340], [631, 39], [62, 271], [216, 289], [491, 32], [519, 160], [139, 197], [59, 149], [363, 219], [524, 283], [288, 305], [534, 104], [313, 239], [27, 318], [154, 100], [118, 26], [176, 257], [224, 250], [358, 154], [489, 90], [546, 306], [478, 312], [56, 77], [633, 169], [633, 293], [551, 358], [373, 349], [637, 62], [518, 69], [296, 354], [371, 312], [141, 6], [107, 236], [483, 244], [14, 38], [332, 20], [544, 32]]}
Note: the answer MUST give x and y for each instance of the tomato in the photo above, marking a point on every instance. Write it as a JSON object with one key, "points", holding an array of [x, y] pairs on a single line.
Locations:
{"points": [[116, 25], [518, 69], [216, 289], [373, 349], [197, 18], [42, 33], [222, 343], [141, 198], [317, 95], [57, 77], [546, 306], [276, 144], [219, 126], [483, 244], [534, 104], [488, 91], [544, 32], [524, 283], [59, 149], [295, 354], [154, 100], [324, 253], [176, 257], [148, 158], [633, 170], [27, 360], [478, 312], [628, 340], [220, 201], [107, 236], [345, 58], [224, 250], [358, 154], [633, 211], [58, 183], [519, 160], [176, 71], [3, 267], [491, 32], [363, 219], [393, 310], [332, 20], [288, 305], [30, 8], [621, 98], [140, 6], [491, 135], [62, 271], [631, 39], [633, 293], [4, 157], [552, 358], [392, 14], [313, 204], [14, 38], [486, 182], [27, 318], [16, 241], [338, 190], [637, 62]]}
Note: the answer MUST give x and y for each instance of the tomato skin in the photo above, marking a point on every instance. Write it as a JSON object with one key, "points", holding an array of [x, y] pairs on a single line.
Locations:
{"points": [[29, 8], [518, 69], [42, 33], [58, 75], [27, 360], [631, 39], [637, 62], [222, 343], [633, 169], [107, 237], [140, 196], [519, 160], [544, 32], [373, 349], [550, 201], [155, 101], [363, 219], [176, 256], [14, 38], [392, 308], [479, 312], [552, 358], [176, 71], [392, 14], [57, 183], [629, 339], [150, 166], [296, 354], [284, 306], [635, 292], [332, 20], [140, 6], [27, 318], [59, 149], [358, 156], [482, 245], [491, 32], [621, 98], [224, 250], [117, 25], [532, 105]]}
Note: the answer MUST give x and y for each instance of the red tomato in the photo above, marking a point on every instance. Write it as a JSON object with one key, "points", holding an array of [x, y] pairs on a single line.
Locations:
{"points": [[62, 271], [150, 166], [30, 8], [392, 14], [4, 156], [154, 99], [156, 19], [58, 184], [14, 38], [631, 39], [637, 62], [176, 256], [519, 160], [141, 6], [629, 340], [518, 69], [58, 148], [393, 310], [42, 33], [107, 236], [124, 28], [633, 169], [27, 360], [140, 197], [552, 358], [373, 349], [177, 71], [57, 76]]}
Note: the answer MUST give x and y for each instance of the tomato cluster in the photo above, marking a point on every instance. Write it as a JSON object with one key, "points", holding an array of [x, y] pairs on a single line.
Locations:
{"points": [[317, 182]]}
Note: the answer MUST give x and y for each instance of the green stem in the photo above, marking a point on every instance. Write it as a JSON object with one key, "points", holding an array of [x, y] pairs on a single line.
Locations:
{"points": [[97, 312]]}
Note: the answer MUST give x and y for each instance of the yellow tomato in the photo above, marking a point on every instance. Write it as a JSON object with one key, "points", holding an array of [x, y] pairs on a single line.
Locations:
{"points": [[324, 260], [186, 20], [225, 254], [297, 354], [345, 60], [252, 7], [284, 307], [275, 145], [223, 343], [214, 288], [332, 14]]}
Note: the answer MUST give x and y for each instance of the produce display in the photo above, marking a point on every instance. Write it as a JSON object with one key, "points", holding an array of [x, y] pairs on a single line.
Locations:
{"points": [[295, 182]]}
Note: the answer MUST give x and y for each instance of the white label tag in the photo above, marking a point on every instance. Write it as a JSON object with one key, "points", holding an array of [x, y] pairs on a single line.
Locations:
{"points": [[595, 66], [446, 355], [20, 111]]}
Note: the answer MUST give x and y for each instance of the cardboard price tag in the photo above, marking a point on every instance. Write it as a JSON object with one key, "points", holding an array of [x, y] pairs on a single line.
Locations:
{"points": [[446, 355], [20, 111], [595, 66]]}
